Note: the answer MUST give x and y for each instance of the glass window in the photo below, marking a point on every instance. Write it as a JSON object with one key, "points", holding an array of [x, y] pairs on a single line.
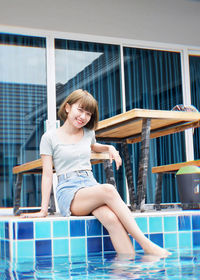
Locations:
{"points": [[153, 81], [23, 109], [194, 62], [90, 66], [93, 67]]}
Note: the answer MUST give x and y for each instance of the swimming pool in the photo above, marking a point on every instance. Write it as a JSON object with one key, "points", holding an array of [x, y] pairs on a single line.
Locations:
{"points": [[65, 248], [182, 264]]}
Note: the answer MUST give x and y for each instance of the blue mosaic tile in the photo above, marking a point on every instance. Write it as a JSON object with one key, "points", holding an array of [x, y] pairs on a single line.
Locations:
{"points": [[77, 246], [14, 250], [25, 249], [61, 247], [196, 238], [170, 224], [24, 270], [184, 223], [6, 230], [155, 224], [43, 229], [60, 229], [185, 239], [170, 240], [42, 264], [178, 234], [57, 262], [137, 246], [2, 249], [14, 233], [43, 248], [94, 245], [107, 244], [7, 249], [105, 232], [77, 228], [93, 227], [142, 223], [157, 238], [24, 230], [2, 230], [196, 222]]}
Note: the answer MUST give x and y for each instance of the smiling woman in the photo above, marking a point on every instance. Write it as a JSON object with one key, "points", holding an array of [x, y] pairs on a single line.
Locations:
{"points": [[95, 67], [68, 149], [84, 103]]}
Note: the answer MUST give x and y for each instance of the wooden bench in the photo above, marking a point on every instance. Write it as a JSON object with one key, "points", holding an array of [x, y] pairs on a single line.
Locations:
{"points": [[35, 167], [170, 168]]}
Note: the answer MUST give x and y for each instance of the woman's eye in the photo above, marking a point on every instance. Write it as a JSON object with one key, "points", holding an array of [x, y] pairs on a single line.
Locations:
{"points": [[89, 114], [86, 112]]}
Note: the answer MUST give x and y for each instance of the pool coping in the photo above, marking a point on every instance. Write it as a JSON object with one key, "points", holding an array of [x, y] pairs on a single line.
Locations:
{"points": [[135, 214]]}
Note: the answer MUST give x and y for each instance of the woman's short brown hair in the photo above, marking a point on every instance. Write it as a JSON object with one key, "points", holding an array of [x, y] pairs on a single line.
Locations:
{"points": [[87, 102]]}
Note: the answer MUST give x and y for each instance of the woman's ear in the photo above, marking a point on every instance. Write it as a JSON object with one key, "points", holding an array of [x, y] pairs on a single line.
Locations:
{"points": [[67, 108]]}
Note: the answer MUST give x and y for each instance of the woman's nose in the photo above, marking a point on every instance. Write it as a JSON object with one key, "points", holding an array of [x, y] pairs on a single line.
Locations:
{"points": [[83, 115]]}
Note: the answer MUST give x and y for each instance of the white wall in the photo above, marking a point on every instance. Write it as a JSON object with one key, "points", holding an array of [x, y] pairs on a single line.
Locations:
{"points": [[171, 21]]}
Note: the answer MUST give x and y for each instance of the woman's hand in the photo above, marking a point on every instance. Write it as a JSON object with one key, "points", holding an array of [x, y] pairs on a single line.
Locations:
{"points": [[114, 155], [41, 214]]}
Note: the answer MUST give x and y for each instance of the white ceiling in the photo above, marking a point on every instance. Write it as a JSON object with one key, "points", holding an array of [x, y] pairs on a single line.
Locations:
{"points": [[171, 21]]}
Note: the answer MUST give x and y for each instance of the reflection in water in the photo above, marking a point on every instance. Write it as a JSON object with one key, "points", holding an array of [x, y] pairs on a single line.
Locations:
{"points": [[182, 264]]}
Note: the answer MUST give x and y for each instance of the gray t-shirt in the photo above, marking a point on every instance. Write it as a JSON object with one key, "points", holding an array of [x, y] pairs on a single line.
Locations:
{"points": [[68, 157]]}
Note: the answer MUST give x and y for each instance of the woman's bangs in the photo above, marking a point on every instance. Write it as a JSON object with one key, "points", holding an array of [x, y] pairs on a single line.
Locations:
{"points": [[88, 103]]}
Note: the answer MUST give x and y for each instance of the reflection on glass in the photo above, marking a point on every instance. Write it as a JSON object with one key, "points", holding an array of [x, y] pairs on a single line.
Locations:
{"points": [[90, 66], [195, 97], [93, 67], [153, 81], [22, 111]]}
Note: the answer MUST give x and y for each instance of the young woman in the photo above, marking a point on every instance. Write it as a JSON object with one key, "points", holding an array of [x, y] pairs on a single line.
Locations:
{"points": [[68, 148]]}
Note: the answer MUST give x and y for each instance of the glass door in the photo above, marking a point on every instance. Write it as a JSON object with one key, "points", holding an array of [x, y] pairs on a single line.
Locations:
{"points": [[23, 110], [194, 64]]}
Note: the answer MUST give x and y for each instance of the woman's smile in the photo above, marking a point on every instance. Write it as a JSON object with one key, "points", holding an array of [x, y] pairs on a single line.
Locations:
{"points": [[80, 122]]}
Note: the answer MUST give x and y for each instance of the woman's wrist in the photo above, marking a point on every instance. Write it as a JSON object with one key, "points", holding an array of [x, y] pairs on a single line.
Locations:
{"points": [[111, 148], [44, 212]]}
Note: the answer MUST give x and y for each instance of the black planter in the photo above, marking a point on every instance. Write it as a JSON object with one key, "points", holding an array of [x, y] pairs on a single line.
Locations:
{"points": [[189, 190]]}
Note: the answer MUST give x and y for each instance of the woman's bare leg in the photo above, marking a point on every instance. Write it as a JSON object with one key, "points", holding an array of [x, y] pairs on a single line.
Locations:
{"points": [[88, 199], [119, 237]]}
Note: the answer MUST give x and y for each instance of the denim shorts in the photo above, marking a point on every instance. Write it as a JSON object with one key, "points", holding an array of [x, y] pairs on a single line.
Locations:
{"points": [[68, 185]]}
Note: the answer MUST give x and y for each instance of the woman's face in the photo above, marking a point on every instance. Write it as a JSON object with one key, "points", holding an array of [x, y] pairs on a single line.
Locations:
{"points": [[77, 116]]}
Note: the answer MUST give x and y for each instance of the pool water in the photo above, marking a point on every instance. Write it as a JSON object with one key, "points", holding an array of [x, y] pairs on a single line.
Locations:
{"points": [[182, 264]]}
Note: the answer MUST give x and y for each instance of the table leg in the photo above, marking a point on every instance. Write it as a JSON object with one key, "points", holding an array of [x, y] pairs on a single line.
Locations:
{"points": [[109, 172], [143, 163], [17, 194], [158, 190], [52, 206], [129, 175]]}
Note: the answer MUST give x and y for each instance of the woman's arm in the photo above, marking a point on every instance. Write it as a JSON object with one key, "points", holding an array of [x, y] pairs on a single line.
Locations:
{"points": [[113, 153], [47, 181]]}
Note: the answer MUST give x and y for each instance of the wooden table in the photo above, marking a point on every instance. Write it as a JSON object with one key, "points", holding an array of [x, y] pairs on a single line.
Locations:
{"points": [[35, 167], [142, 125]]}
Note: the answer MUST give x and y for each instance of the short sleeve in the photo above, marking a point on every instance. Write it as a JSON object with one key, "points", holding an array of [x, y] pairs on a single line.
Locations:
{"points": [[93, 140], [46, 145]]}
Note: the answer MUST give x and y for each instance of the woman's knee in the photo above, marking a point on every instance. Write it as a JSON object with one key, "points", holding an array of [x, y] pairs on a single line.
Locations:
{"points": [[111, 219], [107, 217], [109, 190]]}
